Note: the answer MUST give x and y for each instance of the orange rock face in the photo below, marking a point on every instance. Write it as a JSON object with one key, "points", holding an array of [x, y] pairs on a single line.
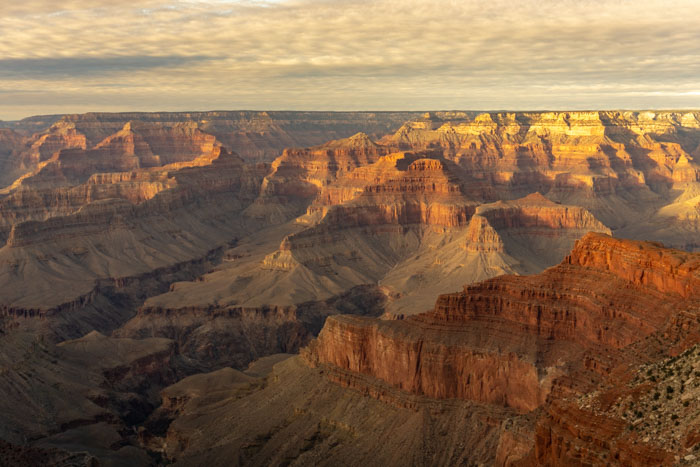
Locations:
{"points": [[504, 340], [642, 263], [427, 362]]}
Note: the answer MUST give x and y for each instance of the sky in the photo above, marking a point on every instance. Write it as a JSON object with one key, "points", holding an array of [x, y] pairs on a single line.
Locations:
{"points": [[71, 56]]}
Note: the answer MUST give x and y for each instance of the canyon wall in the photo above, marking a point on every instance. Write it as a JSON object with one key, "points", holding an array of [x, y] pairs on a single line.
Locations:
{"points": [[233, 235], [532, 322]]}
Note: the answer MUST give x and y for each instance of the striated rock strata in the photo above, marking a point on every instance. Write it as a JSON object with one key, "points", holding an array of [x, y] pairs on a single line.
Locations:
{"points": [[505, 339]]}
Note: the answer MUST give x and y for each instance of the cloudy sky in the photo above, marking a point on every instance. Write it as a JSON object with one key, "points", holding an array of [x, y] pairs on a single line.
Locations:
{"points": [[60, 56]]}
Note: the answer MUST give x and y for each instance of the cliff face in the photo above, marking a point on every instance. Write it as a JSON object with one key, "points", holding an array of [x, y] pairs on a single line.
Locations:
{"points": [[612, 163], [257, 136], [642, 263], [504, 340], [398, 354]]}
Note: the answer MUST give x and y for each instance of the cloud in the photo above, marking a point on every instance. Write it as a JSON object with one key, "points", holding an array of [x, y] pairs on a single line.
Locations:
{"points": [[348, 54], [76, 67]]}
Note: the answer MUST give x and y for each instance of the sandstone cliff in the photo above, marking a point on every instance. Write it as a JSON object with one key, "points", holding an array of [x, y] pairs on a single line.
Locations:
{"points": [[612, 163], [590, 302], [576, 332]]}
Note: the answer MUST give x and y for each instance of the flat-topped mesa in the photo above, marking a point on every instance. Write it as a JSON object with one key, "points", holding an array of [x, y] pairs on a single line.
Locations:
{"points": [[536, 211], [321, 164], [642, 263]]}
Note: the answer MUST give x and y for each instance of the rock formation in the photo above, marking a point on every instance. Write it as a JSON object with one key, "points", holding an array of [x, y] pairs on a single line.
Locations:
{"points": [[212, 239], [256, 136], [616, 164], [567, 367], [529, 342]]}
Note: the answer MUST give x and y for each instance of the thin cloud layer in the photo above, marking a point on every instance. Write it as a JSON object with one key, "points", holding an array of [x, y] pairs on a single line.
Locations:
{"points": [[75, 56]]}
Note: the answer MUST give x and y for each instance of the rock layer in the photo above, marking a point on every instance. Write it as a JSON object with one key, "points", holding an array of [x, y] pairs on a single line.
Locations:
{"points": [[589, 303], [149, 225]]}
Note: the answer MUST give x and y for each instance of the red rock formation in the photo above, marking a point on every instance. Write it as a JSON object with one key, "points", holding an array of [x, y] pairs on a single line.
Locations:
{"points": [[482, 237], [589, 157], [298, 175], [642, 263], [495, 341], [256, 136], [426, 364]]}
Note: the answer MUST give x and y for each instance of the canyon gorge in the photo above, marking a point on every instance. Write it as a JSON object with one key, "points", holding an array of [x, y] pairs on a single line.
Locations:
{"points": [[378, 288]]}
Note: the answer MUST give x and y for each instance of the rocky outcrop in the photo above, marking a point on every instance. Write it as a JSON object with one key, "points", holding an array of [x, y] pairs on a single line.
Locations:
{"points": [[502, 341], [642, 263], [400, 354], [482, 237]]}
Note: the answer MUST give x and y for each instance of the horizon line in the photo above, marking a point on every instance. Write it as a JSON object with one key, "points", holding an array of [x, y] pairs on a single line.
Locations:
{"points": [[500, 110]]}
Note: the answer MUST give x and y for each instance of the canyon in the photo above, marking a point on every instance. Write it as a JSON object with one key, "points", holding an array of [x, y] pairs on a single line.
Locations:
{"points": [[324, 287], [545, 369]]}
